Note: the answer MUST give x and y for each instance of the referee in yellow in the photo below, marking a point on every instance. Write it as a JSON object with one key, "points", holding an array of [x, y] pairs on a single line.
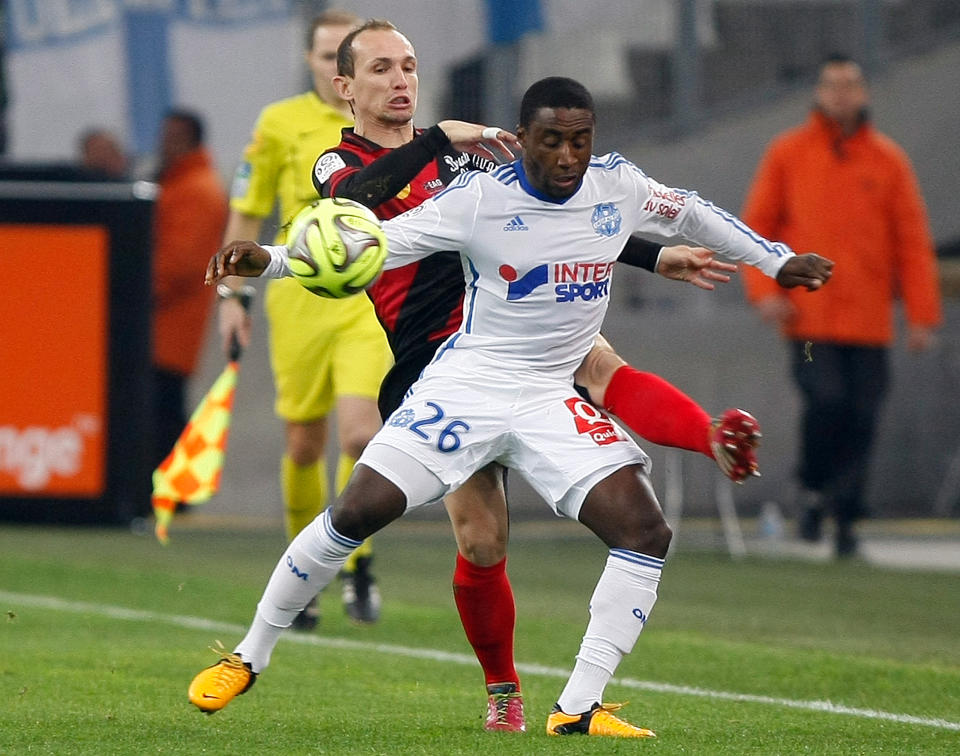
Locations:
{"points": [[325, 354]]}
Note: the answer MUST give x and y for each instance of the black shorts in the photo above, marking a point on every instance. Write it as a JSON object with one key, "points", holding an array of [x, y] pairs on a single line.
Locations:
{"points": [[404, 373]]}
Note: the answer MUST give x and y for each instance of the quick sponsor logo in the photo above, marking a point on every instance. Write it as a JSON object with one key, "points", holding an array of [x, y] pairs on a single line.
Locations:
{"points": [[457, 164], [573, 281], [520, 286], [582, 280], [664, 202], [467, 161], [34, 454], [592, 422]]}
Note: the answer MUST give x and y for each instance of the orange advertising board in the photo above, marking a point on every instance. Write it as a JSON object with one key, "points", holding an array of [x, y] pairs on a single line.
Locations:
{"points": [[53, 360]]}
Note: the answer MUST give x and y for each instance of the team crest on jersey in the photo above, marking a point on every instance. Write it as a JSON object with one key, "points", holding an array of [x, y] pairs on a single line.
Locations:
{"points": [[326, 166], [592, 422], [401, 418], [606, 219]]}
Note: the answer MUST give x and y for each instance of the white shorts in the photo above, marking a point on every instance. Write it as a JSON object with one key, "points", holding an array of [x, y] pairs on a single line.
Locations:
{"points": [[453, 426]]}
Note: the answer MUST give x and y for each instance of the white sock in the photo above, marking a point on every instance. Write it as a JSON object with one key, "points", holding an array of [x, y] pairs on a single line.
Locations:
{"points": [[258, 643], [619, 608], [310, 563]]}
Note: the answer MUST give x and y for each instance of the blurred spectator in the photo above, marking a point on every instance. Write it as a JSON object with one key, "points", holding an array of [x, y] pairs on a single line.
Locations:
{"points": [[190, 215], [101, 154], [3, 83], [837, 186]]}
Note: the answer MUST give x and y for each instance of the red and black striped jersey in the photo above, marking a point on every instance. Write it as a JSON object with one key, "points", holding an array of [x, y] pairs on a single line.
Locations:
{"points": [[420, 304]]}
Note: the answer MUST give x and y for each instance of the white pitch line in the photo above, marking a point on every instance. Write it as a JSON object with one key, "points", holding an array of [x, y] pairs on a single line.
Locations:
{"points": [[200, 623]]}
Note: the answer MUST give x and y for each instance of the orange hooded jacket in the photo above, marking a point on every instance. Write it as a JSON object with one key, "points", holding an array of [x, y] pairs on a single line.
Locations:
{"points": [[190, 215], [856, 201]]}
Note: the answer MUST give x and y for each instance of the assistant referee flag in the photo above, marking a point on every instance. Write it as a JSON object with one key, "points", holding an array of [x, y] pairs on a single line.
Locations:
{"points": [[191, 472]]}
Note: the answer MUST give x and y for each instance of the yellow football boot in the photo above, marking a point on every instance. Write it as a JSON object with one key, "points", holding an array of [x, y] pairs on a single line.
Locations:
{"points": [[220, 683], [598, 721]]}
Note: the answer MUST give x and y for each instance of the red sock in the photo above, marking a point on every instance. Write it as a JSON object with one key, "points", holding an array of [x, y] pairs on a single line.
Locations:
{"points": [[658, 411], [485, 602]]}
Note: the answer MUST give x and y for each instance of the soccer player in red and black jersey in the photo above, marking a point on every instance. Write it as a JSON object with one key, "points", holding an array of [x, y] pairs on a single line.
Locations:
{"points": [[419, 305], [388, 165]]}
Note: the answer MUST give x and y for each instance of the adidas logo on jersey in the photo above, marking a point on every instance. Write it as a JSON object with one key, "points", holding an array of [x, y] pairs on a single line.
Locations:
{"points": [[516, 224]]}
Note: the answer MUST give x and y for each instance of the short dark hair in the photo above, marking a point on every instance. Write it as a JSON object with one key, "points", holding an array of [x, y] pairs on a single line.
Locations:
{"points": [[839, 59], [554, 92], [192, 121], [94, 132], [331, 17], [836, 58], [346, 63]]}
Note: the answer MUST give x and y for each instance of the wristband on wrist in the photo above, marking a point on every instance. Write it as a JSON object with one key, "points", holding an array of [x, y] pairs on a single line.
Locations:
{"points": [[224, 291], [243, 294]]}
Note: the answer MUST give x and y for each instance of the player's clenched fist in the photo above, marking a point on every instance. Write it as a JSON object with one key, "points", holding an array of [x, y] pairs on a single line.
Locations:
{"points": [[810, 271]]}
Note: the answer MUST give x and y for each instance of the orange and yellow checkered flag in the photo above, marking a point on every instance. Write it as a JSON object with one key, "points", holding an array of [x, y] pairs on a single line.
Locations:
{"points": [[191, 472]]}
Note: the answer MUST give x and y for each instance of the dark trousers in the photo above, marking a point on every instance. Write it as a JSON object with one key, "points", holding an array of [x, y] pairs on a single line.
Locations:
{"points": [[843, 388], [170, 414]]}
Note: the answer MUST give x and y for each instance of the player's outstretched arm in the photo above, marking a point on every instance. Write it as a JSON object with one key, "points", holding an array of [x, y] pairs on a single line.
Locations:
{"points": [[694, 265], [486, 141], [238, 258], [809, 270]]}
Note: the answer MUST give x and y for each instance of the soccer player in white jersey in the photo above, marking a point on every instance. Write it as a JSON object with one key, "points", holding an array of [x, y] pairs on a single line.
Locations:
{"points": [[538, 239]]}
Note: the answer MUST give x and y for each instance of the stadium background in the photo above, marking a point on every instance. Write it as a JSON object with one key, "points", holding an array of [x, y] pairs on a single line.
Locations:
{"points": [[691, 91]]}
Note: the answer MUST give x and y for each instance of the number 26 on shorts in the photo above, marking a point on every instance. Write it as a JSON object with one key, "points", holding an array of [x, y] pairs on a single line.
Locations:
{"points": [[447, 438]]}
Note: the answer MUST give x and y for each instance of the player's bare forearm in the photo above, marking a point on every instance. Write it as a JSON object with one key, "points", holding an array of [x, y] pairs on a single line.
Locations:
{"points": [[810, 271], [238, 258]]}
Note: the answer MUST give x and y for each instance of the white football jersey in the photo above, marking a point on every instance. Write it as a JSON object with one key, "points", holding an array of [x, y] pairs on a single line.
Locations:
{"points": [[538, 270]]}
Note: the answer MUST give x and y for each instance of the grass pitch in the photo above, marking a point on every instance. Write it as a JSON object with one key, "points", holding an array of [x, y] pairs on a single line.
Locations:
{"points": [[102, 631]]}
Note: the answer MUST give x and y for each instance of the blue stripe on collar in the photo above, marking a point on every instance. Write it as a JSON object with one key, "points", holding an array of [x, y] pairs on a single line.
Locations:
{"points": [[522, 174]]}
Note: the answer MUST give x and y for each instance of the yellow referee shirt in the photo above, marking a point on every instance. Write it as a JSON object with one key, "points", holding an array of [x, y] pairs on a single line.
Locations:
{"points": [[319, 348], [278, 163]]}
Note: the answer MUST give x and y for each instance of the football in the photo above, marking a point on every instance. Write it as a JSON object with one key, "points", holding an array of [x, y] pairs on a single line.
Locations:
{"points": [[336, 247]]}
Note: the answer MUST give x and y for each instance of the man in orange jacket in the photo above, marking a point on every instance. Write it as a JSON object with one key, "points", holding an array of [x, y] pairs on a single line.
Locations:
{"points": [[837, 186], [189, 217]]}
